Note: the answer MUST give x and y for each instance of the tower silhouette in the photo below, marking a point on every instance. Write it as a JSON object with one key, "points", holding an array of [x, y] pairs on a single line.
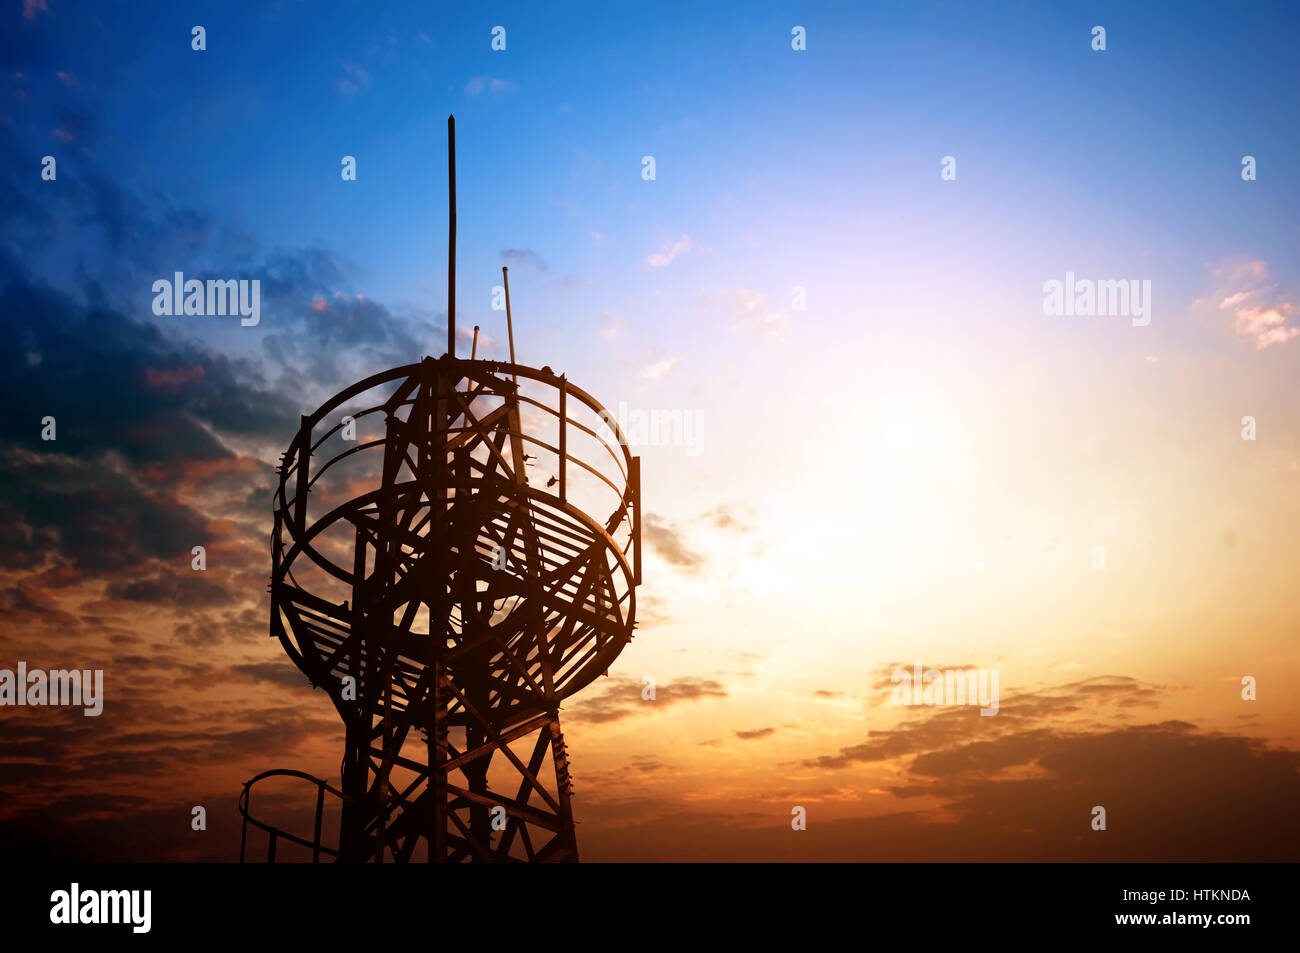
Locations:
{"points": [[456, 550]]}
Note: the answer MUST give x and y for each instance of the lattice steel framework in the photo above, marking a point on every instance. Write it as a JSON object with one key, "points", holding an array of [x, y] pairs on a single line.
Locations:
{"points": [[473, 600]]}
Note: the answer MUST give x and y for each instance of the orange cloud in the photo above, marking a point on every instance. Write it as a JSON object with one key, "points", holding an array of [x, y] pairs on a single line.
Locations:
{"points": [[171, 377], [1258, 312]]}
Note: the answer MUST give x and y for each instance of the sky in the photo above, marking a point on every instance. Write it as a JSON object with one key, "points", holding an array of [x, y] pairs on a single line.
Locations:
{"points": [[899, 457]]}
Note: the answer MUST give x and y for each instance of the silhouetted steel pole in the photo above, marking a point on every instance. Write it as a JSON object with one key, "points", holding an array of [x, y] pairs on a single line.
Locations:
{"points": [[510, 325], [451, 236]]}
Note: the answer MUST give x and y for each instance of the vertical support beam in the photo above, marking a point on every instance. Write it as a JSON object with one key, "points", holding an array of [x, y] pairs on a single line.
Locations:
{"points": [[636, 520], [433, 461], [472, 668], [320, 812], [563, 790], [304, 464], [437, 779], [380, 627], [356, 751], [243, 834], [564, 436]]}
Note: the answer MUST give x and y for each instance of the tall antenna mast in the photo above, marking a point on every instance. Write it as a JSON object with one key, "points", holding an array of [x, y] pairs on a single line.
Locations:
{"points": [[451, 236], [510, 325]]}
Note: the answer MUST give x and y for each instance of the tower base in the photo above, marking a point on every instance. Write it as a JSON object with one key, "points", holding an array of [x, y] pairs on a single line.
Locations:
{"points": [[526, 817]]}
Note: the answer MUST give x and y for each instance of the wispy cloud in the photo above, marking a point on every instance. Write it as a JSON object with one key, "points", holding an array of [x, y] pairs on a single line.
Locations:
{"points": [[357, 78], [516, 257], [668, 252], [624, 697], [666, 542], [731, 517], [611, 325], [752, 312], [492, 84], [659, 369]]}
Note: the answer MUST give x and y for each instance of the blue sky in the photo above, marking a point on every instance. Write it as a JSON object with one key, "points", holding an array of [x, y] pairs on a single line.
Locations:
{"points": [[760, 151]]}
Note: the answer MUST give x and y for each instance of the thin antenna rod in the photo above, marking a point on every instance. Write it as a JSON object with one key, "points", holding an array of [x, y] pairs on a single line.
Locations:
{"points": [[510, 325], [451, 236], [473, 351]]}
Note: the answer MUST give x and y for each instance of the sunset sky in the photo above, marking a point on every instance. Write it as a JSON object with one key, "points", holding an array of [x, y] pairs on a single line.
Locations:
{"points": [[915, 466]]}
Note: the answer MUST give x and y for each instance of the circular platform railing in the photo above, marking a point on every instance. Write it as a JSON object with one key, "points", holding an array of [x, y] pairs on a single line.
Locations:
{"points": [[534, 462], [276, 834]]}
